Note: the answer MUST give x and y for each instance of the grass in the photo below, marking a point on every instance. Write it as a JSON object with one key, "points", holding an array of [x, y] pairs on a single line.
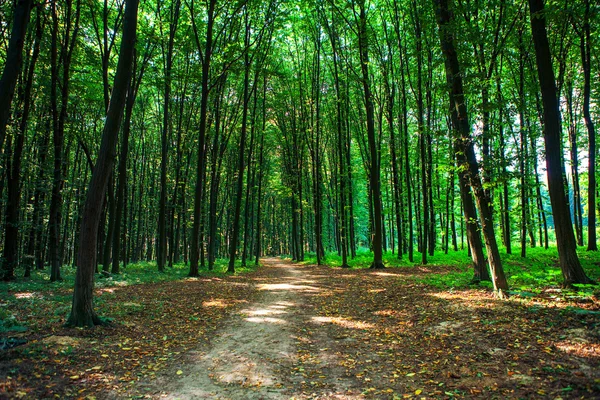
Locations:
{"points": [[537, 271]]}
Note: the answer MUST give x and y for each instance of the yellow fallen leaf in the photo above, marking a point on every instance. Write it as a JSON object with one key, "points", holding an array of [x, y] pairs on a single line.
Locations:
{"points": [[179, 372], [410, 374], [104, 355], [418, 392], [96, 368], [74, 377]]}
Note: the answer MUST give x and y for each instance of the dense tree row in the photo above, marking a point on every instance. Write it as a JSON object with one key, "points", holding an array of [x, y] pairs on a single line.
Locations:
{"points": [[237, 129]]}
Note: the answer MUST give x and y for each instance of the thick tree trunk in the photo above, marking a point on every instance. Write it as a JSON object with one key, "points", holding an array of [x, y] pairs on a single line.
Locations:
{"points": [[565, 239], [82, 311]]}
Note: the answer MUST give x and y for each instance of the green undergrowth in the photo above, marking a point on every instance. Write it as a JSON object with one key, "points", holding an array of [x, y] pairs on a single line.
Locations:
{"points": [[132, 274], [538, 271], [54, 298]]}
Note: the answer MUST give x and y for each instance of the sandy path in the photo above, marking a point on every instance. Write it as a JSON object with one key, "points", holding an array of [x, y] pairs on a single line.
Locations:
{"points": [[252, 354]]}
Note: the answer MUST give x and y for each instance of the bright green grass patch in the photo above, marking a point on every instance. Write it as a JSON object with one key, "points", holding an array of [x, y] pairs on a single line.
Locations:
{"points": [[538, 270]]}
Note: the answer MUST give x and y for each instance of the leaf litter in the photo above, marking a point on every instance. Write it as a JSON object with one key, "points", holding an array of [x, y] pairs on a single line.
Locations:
{"points": [[307, 332]]}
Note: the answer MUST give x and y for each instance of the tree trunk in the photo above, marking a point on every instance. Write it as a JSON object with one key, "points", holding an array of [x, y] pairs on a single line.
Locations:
{"points": [[161, 247], [464, 143], [82, 312], [374, 167], [565, 239], [119, 233], [235, 233], [195, 250], [13, 62], [59, 116], [11, 224], [586, 61]]}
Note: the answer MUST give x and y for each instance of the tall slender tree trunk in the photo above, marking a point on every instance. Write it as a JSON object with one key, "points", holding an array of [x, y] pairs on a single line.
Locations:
{"points": [[59, 116], [422, 135], [11, 224], [161, 247], [586, 62], [233, 244], [195, 250], [119, 233], [464, 143], [374, 167]]}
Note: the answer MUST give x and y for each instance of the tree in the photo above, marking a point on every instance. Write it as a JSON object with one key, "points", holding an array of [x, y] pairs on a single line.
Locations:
{"points": [[11, 233], [204, 92], [585, 38], [82, 311], [59, 105], [14, 60], [565, 238], [161, 249], [464, 142], [374, 158]]}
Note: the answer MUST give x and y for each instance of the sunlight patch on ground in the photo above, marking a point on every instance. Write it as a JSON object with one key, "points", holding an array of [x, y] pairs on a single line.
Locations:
{"points": [[287, 286], [214, 303], [391, 313], [587, 350], [266, 320], [220, 303], [343, 322], [106, 290], [264, 311], [466, 299], [385, 274], [25, 295]]}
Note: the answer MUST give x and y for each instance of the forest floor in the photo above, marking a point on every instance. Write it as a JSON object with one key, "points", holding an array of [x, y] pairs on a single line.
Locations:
{"points": [[306, 332]]}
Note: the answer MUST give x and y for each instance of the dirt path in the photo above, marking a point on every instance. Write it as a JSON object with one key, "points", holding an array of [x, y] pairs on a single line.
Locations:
{"points": [[320, 333], [256, 349]]}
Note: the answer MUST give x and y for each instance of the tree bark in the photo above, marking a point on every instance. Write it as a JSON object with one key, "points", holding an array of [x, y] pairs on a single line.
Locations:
{"points": [[204, 92], [565, 238], [82, 311], [586, 62], [464, 143], [11, 224], [14, 60]]}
